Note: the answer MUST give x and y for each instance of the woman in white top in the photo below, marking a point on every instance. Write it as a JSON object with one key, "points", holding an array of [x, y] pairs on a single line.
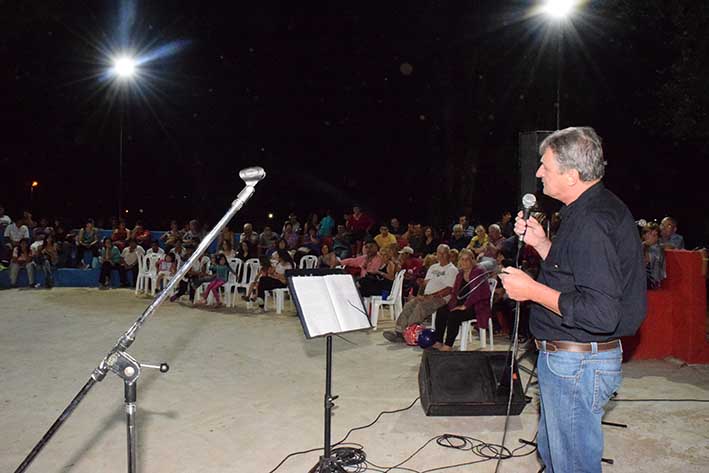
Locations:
{"points": [[276, 277]]}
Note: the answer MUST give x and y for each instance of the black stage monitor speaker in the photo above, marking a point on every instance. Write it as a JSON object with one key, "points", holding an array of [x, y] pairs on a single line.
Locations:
{"points": [[468, 383]]}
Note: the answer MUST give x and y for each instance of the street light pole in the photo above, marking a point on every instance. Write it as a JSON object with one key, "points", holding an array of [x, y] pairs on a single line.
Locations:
{"points": [[120, 166], [559, 39]]}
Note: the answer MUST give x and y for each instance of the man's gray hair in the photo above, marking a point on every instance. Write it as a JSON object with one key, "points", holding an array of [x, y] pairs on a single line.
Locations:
{"points": [[577, 148], [443, 247], [494, 226]]}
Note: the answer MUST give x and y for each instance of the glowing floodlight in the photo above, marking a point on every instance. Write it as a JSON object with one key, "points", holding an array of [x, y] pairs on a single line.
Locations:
{"points": [[559, 9], [124, 66]]}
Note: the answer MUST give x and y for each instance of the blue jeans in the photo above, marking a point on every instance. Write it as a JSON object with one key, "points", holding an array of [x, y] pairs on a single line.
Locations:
{"points": [[574, 389]]}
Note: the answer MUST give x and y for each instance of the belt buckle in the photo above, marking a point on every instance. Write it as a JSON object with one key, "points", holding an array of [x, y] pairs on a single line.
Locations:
{"points": [[550, 347]]}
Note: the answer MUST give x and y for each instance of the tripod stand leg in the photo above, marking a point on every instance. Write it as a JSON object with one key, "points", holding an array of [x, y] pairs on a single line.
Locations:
{"points": [[130, 393], [56, 425]]}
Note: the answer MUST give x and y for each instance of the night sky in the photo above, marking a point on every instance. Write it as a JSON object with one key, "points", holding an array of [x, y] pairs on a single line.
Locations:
{"points": [[410, 108]]}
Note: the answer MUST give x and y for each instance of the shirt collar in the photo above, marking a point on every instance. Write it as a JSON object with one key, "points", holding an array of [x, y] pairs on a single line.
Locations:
{"points": [[582, 200]]}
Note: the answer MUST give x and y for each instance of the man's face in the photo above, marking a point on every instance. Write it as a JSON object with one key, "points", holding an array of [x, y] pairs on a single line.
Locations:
{"points": [[494, 233], [667, 228], [133, 244], [384, 230], [442, 256], [463, 221], [458, 232], [355, 210], [394, 222], [418, 229], [267, 230], [553, 180]]}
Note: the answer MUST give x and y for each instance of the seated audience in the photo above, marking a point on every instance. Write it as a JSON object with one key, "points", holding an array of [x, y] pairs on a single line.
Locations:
{"points": [[167, 267], [375, 283], [141, 235], [16, 231], [267, 241], [246, 251], [311, 222], [470, 299], [119, 237], [44, 259], [170, 237], [276, 277], [478, 244], [395, 227], [194, 233], [87, 241], [384, 238], [506, 224], [129, 259], [221, 270], [178, 250], [438, 284], [430, 241], [494, 242], [458, 239], [110, 259], [327, 259], [227, 250], [359, 225], [370, 261], [342, 244], [290, 236], [411, 265], [226, 235], [654, 256], [327, 225], [154, 249], [195, 277], [468, 229], [311, 241], [669, 238], [21, 259], [294, 223]]}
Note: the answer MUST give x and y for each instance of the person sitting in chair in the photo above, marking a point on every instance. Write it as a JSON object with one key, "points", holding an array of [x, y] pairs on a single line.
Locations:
{"points": [[437, 289], [470, 299]]}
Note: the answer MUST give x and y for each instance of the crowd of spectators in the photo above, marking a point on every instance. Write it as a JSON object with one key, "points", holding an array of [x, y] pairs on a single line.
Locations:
{"points": [[374, 252]]}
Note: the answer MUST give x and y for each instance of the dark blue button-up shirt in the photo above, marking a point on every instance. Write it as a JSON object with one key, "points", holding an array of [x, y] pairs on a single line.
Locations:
{"points": [[596, 262]]}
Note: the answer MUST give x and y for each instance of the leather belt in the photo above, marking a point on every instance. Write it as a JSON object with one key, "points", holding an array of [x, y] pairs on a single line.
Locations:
{"points": [[576, 347]]}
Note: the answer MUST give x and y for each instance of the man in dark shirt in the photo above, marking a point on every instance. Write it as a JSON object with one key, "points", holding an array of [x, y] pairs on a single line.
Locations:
{"points": [[589, 293]]}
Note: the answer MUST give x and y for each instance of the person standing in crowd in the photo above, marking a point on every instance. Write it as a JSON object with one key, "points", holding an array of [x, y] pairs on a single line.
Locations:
{"points": [[670, 239], [430, 241], [395, 227], [507, 226], [470, 300], [438, 284], [44, 259], [591, 291], [170, 237]]}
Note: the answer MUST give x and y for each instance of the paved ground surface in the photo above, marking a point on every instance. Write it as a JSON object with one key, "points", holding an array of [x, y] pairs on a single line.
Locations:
{"points": [[245, 390]]}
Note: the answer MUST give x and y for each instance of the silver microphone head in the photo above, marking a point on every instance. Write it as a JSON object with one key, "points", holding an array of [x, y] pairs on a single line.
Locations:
{"points": [[251, 176], [529, 201]]}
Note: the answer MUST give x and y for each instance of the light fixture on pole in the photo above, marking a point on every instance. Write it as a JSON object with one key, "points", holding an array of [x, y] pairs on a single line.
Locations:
{"points": [[124, 69], [32, 188], [559, 10]]}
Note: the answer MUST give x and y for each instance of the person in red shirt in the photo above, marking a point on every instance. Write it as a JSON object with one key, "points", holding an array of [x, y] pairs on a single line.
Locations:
{"points": [[412, 265], [359, 224]]}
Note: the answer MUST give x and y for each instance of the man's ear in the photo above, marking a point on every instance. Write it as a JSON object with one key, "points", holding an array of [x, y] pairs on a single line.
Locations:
{"points": [[572, 177]]}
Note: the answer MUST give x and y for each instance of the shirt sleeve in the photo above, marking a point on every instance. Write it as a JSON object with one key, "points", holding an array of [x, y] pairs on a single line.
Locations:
{"points": [[594, 303]]}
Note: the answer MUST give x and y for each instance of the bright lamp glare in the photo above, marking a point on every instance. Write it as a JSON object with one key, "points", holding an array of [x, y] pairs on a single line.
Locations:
{"points": [[124, 66], [559, 8]]}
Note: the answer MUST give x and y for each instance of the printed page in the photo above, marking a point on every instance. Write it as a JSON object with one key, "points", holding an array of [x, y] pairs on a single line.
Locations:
{"points": [[315, 303], [344, 295]]}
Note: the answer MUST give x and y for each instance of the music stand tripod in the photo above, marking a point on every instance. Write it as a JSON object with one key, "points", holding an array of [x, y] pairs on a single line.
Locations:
{"points": [[327, 303]]}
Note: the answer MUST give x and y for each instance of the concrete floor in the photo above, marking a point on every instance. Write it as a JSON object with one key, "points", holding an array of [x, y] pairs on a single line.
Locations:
{"points": [[245, 390]]}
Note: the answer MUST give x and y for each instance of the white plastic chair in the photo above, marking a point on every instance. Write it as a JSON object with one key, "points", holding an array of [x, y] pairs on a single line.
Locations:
{"points": [[147, 274], [465, 326], [205, 264], [230, 292], [393, 301], [308, 262], [249, 272]]}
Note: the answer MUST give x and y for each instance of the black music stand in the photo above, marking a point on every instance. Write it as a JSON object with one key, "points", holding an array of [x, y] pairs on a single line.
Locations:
{"points": [[327, 303]]}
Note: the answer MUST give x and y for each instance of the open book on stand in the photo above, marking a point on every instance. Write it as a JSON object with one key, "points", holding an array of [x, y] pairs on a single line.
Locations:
{"points": [[328, 304]]}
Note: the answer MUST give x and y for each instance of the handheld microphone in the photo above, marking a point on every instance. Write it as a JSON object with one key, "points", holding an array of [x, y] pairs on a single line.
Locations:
{"points": [[528, 201]]}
